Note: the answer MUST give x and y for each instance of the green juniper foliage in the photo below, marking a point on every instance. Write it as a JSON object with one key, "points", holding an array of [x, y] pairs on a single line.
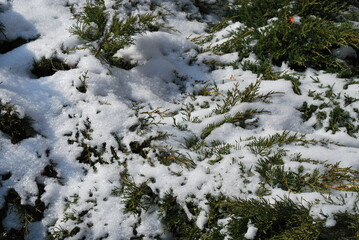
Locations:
{"points": [[308, 44], [238, 119], [307, 111], [49, 66], [136, 198], [227, 217], [263, 145], [233, 97], [240, 40], [89, 155], [57, 233], [106, 33], [271, 33], [15, 127], [261, 68], [273, 172], [338, 118], [83, 86], [28, 214], [152, 140], [181, 227], [141, 198], [330, 111], [205, 7], [274, 162], [284, 219], [256, 13], [249, 94], [264, 70]]}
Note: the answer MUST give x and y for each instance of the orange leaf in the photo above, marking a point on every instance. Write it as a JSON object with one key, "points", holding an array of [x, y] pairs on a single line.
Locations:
{"points": [[291, 19]]}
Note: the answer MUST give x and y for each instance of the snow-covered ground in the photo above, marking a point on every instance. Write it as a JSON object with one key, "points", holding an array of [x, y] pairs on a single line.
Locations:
{"points": [[122, 108]]}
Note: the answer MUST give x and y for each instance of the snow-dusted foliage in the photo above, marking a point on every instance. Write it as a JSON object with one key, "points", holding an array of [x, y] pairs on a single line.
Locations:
{"points": [[139, 119]]}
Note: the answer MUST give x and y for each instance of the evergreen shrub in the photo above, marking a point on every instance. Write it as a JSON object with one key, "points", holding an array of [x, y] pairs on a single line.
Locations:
{"points": [[16, 127], [302, 33], [105, 34], [49, 66]]}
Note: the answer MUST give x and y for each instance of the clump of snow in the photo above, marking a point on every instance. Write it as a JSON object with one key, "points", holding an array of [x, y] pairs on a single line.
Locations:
{"points": [[296, 19], [345, 52], [251, 232], [201, 220]]}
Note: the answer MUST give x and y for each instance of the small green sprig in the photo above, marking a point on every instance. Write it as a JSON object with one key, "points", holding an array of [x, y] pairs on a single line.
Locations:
{"points": [[249, 94], [263, 145], [83, 87]]}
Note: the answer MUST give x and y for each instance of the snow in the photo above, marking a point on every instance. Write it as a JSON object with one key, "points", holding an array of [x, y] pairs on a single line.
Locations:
{"points": [[59, 112], [251, 232], [345, 52]]}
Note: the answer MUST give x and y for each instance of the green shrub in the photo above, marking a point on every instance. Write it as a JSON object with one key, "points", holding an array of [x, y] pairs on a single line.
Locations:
{"points": [[83, 86], [91, 23], [256, 13], [273, 172], [339, 118], [49, 66], [206, 7], [90, 155], [135, 197], [273, 34], [333, 111], [284, 219], [107, 34], [308, 44], [28, 214], [181, 227], [15, 127]]}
